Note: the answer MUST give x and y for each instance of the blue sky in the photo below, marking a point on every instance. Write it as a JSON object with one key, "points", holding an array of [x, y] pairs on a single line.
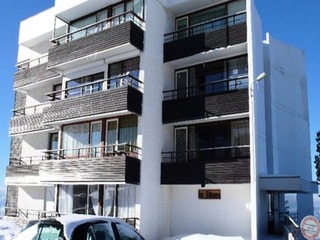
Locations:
{"points": [[295, 22]]}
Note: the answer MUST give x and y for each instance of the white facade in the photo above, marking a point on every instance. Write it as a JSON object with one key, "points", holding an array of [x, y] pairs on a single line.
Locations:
{"points": [[275, 110]]}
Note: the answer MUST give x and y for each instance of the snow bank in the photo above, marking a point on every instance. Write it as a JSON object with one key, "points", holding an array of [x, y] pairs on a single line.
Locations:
{"points": [[198, 236], [8, 229]]}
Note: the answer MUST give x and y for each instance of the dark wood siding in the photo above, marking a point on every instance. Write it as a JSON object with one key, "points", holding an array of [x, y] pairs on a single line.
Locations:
{"points": [[205, 41], [220, 172], [20, 171], [109, 169], [33, 75], [26, 124], [112, 100], [198, 107], [116, 36]]}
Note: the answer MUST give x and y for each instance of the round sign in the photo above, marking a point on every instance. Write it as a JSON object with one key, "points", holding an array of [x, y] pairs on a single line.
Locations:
{"points": [[310, 227]]}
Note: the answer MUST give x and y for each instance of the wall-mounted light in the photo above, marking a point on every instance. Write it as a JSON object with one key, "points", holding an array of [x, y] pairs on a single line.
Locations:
{"points": [[259, 78]]}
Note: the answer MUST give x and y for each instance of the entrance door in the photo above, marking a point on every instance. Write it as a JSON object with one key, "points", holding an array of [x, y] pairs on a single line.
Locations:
{"points": [[271, 212], [95, 139], [274, 225], [53, 146], [181, 143], [182, 83], [112, 136]]}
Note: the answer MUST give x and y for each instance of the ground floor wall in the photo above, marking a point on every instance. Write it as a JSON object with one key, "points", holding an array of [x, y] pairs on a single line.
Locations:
{"points": [[227, 216]]}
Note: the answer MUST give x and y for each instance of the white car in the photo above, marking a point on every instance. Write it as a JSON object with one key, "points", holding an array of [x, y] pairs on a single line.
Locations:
{"points": [[80, 227]]}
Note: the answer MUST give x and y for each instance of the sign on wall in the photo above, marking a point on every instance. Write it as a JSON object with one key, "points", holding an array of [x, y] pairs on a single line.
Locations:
{"points": [[209, 194]]}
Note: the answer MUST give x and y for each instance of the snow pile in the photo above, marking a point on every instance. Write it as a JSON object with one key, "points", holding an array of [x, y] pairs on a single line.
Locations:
{"points": [[8, 229], [198, 236]]}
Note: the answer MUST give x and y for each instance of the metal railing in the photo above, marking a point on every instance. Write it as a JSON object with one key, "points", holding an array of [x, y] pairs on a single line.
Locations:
{"points": [[83, 152], [207, 154], [213, 87], [291, 229], [208, 26], [97, 86], [32, 214], [94, 152], [29, 213], [31, 109], [23, 65], [27, 160], [98, 27], [133, 221]]}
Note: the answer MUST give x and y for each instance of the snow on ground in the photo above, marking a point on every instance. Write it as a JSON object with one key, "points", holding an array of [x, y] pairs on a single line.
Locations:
{"points": [[8, 229]]}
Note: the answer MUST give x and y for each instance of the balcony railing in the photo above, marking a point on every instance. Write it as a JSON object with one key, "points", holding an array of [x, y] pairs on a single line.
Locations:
{"points": [[216, 24], [98, 27], [83, 152], [31, 109], [23, 65], [94, 152], [214, 87], [207, 154], [97, 86]]}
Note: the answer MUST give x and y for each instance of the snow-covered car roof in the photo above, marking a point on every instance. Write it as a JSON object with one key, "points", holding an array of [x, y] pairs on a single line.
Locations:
{"points": [[70, 222]]}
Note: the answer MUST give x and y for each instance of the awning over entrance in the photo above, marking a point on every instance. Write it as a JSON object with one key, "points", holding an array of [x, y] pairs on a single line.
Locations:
{"points": [[294, 184]]}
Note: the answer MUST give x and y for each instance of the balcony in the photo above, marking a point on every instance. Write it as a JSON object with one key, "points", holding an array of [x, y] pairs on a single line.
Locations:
{"points": [[96, 99], [219, 165], [33, 72], [216, 98], [215, 34], [112, 163], [97, 41], [28, 120]]}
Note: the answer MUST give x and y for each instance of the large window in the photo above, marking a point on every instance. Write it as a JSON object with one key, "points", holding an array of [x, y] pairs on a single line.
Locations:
{"points": [[119, 69], [107, 200], [212, 140], [117, 11], [213, 77], [211, 19], [75, 88], [87, 139]]}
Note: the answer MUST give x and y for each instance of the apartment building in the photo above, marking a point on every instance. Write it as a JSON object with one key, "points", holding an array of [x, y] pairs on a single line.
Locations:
{"points": [[174, 115]]}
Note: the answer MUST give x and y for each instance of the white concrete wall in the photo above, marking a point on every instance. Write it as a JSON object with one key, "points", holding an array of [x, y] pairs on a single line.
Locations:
{"points": [[229, 216], [37, 95], [49, 198], [154, 224], [257, 119], [288, 102], [31, 197], [35, 144], [42, 26]]}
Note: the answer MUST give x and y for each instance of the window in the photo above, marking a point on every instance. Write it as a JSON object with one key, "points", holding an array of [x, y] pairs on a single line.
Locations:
{"points": [[102, 231], [50, 231], [57, 92], [208, 16], [117, 72], [212, 77], [95, 139], [75, 140], [79, 199], [108, 200], [212, 140], [210, 19], [126, 233], [53, 145], [75, 87], [238, 69]]}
